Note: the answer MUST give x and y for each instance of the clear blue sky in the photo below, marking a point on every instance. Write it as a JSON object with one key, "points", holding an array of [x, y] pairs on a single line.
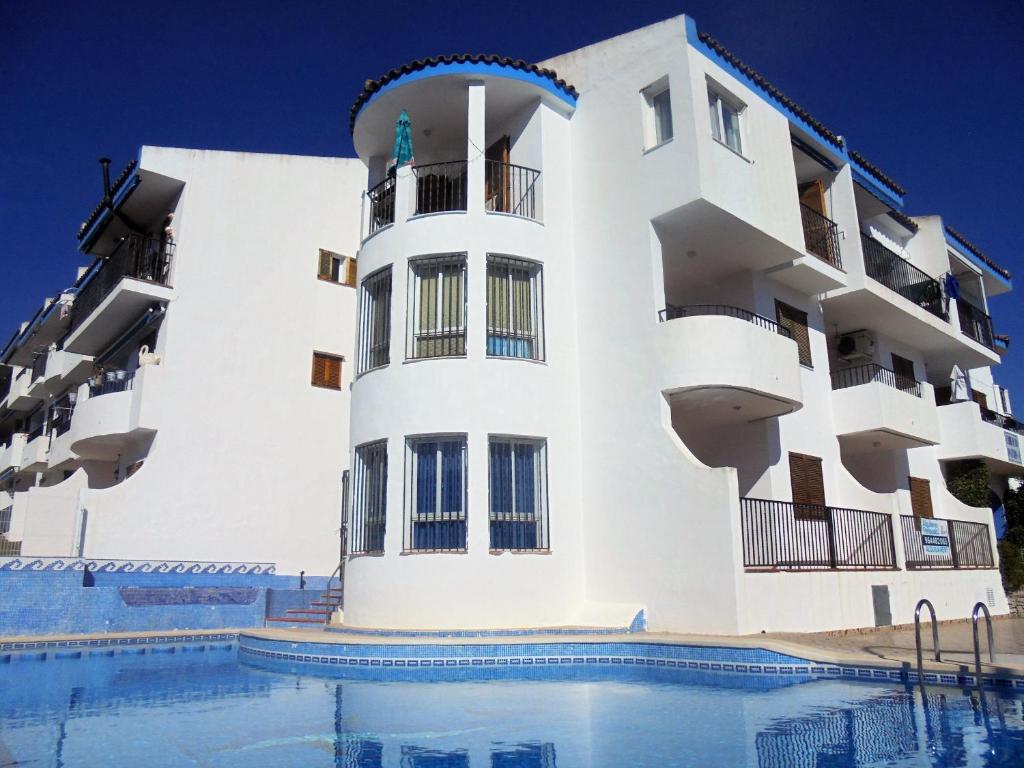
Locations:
{"points": [[928, 91]]}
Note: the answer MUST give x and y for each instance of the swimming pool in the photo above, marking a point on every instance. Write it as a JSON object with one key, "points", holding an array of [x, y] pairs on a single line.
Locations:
{"points": [[195, 707]]}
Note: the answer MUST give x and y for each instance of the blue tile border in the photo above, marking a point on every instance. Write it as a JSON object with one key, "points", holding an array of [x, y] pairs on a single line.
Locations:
{"points": [[108, 642], [471, 633]]}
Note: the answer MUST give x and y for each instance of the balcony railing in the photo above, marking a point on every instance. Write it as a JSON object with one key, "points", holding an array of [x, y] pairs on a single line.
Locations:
{"points": [[39, 365], [7, 548], [111, 381], [1001, 421], [61, 413], [821, 236], [781, 535], [975, 324], [382, 205], [137, 257], [5, 382], [35, 432], [873, 373], [510, 189], [441, 187], [896, 273], [672, 312], [969, 545]]}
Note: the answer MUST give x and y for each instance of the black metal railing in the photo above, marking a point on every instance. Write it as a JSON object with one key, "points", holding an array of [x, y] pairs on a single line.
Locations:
{"points": [[896, 273], [673, 312], [441, 187], [969, 545], [382, 205], [7, 548], [873, 373], [138, 257], [510, 188], [975, 324], [39, 364], [821, 236], [5, 382], [781, 535], [60, 415], [111, 381], [36, 431], [1001, 421]]}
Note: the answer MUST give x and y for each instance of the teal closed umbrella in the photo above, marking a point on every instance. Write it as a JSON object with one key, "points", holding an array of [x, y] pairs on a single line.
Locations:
{"points": [[402, 153]]}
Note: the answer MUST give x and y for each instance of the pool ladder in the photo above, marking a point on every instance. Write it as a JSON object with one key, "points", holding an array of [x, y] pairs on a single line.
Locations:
{"points": [[975, 613]]}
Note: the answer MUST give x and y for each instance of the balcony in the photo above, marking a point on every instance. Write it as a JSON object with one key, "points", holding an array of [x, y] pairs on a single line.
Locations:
{"points": [[20, 398], [382, 206], [510, 189], [822, 270], [899, 275], [970, 545], [783, 536], [877, 409], [35, 456], [61, 456], [821, 236], [975, 324], [65, 368], [723, 364], [11, 452], [129, 281], [441, 187], [117, 414], [970, 432]]}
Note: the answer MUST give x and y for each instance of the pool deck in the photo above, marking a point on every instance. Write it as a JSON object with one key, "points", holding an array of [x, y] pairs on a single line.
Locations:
{"points": [[890, 647]]}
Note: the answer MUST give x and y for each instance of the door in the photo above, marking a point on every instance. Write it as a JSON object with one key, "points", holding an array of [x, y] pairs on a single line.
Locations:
{"points": [[812, 194], [904, 370], [497, 195], [979, 398], [808, 485]]}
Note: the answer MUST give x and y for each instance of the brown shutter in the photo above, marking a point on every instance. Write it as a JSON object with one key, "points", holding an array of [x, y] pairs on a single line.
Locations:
{"points": [[808, 487], [812, 194], [921, 497], [350, 272], [979, 398], [795, 321], [326, 371], [904, 370], [324, 270]]}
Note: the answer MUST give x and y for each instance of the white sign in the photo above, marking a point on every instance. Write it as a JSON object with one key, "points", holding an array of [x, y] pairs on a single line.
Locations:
{"points": [[1013, 446], [935, 537]]}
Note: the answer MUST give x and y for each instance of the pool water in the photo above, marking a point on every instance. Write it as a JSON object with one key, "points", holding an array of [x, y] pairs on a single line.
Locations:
{"points": [[203, 708]]}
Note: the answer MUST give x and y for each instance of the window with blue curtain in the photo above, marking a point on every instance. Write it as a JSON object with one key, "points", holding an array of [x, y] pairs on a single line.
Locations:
{"points": [[437, 500], [515, 322], [518, 494]]}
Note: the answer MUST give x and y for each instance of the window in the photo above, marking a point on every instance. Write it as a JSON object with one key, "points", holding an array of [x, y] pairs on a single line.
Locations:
{"points": [[921, 498], [369, 498], [795, 321], [437, 307], [336, 268], [436, 488], [327, 370], [904, 370], [725, 120], [375, 320], [515, 321], [657, 113], [518, 494], [808, 487]]}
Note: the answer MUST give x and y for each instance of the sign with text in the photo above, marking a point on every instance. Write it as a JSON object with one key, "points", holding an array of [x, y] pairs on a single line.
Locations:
{"points": [[1013, 447], [935, 537]]}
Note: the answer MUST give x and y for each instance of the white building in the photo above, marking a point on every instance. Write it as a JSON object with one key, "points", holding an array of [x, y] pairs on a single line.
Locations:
{"points": [[642, 335]]}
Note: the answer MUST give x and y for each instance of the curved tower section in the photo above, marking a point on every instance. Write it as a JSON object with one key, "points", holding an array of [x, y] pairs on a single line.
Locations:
{"points": [[465, 426]]}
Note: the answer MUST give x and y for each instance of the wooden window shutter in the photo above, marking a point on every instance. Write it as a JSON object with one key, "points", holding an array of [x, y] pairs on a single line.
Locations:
{"points": [[921, 497], [350, 272], [808, 485], [812, 194], [795, 321], [324, 270], [326, 371], [979, 398]]}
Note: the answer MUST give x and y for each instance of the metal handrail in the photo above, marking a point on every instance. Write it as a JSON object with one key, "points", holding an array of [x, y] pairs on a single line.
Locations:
{"points": [[676, 311], [327, 592], [873, 373], [917, 635], [977, 643]]}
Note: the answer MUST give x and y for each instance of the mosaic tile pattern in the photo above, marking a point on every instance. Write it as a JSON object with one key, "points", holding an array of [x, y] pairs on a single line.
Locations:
{"points": [[45, 650], [131, 566]]}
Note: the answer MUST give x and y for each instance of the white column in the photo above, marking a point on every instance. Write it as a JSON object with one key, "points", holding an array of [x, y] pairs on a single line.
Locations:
{"points": [[475, 146]]}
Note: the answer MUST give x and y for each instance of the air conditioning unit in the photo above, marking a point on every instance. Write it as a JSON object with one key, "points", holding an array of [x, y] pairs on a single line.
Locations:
{"points": [[859, 345]]}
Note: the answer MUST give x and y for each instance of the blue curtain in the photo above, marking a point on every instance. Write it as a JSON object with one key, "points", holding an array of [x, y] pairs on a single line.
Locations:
{"points": [[508, 530], [444, 528]]}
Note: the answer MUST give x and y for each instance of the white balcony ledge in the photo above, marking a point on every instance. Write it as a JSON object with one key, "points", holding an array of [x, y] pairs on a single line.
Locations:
{"points": [[35, 456], [104, 426], [12, 454], [965, 435], [129, 299], [721, 370], [875, 416], [809, 275]]}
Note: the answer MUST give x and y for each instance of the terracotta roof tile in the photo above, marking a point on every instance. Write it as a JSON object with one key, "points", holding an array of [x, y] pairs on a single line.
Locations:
{"points": [[114, 189], [877, 173], [977, 252], [902, 218]]}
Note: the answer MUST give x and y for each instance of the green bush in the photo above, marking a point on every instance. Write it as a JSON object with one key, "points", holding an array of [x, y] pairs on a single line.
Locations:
{"points": [[968, 481], [1011, 563]]}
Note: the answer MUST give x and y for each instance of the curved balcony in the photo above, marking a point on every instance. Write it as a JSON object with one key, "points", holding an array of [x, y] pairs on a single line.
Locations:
{"points": [[725, 365], [878, 409], [972, 432], [113, 417]]}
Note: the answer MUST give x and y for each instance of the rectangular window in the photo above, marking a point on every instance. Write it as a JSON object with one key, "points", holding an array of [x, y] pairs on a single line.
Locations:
{"points": [[921, 497], [518, 494], [327, 370], [657, 113], [369, 498], [330, 266], [375, 320], [436, 494], [795, 321], [437, 307], [904, 370], [808, 487], [515, 297], [725, 120]]}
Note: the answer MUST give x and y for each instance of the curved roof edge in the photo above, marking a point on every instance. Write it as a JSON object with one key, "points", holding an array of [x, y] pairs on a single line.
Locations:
{"points": [[372, 87]]}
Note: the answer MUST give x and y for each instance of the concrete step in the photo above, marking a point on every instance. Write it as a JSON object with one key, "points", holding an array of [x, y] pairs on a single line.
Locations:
{"points": [[311, 611], [294, 620], [328, 604]]}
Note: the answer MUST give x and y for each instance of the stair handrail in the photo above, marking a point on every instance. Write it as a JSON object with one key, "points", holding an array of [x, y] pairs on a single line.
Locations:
{"points": [[327, 592], [977, 643], [917, 635]]}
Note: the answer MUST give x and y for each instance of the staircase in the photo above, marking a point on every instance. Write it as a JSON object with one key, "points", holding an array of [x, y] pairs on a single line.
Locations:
{"points": [[318, 612]]}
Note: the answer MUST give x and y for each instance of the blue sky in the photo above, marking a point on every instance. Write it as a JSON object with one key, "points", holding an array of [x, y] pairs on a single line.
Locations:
{"points": [[928, 91]]}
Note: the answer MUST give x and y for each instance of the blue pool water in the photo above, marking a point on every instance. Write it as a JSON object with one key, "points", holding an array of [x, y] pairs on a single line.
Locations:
{"points": [[204, 708]]}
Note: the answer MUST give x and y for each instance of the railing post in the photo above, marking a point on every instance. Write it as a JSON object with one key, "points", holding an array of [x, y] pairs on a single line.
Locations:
{"points": [[831, 529]]}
